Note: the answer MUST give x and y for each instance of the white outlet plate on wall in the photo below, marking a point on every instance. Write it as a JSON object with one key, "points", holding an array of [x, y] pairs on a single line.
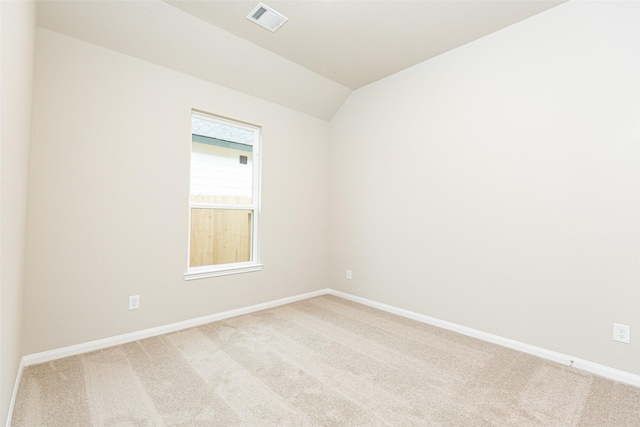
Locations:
{"points": [[134, 302], [621, 333]]}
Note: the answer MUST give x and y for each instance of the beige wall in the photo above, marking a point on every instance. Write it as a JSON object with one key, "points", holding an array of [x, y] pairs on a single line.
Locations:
{"points": [[109, 192], [497, 186], [17, 20]]}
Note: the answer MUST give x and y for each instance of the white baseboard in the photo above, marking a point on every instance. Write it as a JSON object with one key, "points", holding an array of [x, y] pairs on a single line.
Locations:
{"points": [[604, 371], [14, 395], [585, 365], [59, 353]]}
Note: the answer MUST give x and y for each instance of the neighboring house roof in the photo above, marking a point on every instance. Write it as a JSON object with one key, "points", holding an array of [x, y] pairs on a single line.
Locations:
{"points": [[220, 131]]}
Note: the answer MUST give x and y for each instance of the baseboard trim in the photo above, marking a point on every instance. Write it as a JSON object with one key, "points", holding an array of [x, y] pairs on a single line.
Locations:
{"points": [[595, 368], [14, 395], [47, 356], [585, 365]]}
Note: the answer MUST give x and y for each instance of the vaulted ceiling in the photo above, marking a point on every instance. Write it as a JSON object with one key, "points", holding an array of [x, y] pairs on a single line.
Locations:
{"points": [[311, 64]]}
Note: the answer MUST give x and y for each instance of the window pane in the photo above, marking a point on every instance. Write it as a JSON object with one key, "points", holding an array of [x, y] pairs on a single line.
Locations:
{"points": [[221, 160], [220, 236], [221, 174]]}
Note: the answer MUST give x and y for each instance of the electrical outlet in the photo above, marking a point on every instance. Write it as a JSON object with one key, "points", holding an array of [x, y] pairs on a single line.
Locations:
{"points": [[621, 333], [349, 274], [134, 302]]}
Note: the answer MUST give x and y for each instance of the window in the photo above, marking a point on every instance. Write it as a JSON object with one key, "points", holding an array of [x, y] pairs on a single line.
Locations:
{"points": [[224, 197]]}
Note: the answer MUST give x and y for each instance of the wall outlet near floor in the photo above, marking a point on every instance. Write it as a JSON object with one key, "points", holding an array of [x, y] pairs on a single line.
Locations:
{"points": [[621, 333], [134, 302], [349, 274]]}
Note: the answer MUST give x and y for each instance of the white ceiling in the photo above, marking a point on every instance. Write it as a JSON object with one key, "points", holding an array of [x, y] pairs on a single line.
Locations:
{"points": [[355, 43], [311, 64]]}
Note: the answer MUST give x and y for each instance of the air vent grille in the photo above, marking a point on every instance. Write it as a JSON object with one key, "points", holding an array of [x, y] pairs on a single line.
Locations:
{"points": [[266, 17]]}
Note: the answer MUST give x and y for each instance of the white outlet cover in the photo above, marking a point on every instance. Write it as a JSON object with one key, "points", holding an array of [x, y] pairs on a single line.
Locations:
{"points": [[621, 333], [134, 302]]}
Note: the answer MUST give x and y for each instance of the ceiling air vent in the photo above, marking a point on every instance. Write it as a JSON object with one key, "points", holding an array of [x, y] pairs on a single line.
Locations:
{"points": [[265, 16]]}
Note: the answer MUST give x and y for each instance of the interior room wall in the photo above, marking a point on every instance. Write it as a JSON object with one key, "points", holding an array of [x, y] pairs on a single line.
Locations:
{"points": [[497, 185], [108, 201], [17, 23]]}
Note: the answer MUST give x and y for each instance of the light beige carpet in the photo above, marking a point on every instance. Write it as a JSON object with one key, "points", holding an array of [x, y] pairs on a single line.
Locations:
{"points": [[324, 361]]}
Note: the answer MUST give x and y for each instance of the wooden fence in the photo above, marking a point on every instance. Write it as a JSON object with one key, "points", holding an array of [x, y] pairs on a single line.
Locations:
{"points": [[220, 236]]}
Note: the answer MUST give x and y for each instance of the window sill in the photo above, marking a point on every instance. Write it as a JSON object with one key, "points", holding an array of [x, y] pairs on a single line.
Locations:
{"points": [[204, 272]]}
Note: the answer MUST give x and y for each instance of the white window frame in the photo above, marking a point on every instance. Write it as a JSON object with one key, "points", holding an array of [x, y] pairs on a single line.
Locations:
{"points": [[205, 271]]}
